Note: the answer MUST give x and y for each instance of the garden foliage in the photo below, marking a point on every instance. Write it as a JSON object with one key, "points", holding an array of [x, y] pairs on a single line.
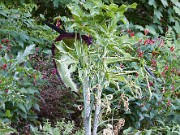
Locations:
{"points": [[128, 77]]}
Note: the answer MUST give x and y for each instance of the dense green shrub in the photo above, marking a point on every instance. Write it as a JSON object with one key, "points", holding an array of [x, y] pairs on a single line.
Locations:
{"points": [[18, 82], [157, 16], [157, 94], [5, 129], [17, 23], [61, 127]]}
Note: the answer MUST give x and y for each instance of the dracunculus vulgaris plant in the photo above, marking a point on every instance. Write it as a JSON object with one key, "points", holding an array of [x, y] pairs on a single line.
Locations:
{"points": [[97, 64]]}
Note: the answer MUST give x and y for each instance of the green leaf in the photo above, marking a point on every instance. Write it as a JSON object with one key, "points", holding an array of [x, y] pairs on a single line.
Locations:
{"points": [[21, 106], [152, 3], [151, 29], [62, 65], [164, 2], [139, 27], [177, 27], [125, 21], [127, 55], [56, 3], [8, 113], [36, 106], [128, 130], [134, 5], [177, 10], [22, 56], [4, 13], [113, 7], [122, 8], [66, 65], [110, 60], [148, 132], [158, 14], [176, 2]]}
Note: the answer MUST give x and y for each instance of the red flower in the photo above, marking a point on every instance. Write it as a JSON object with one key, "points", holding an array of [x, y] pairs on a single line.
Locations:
{"points": [[4, 67], [140, 54], [173, 70], [146, 41], [8, 47], [146, 32], [172, 48], [132, 34], [54, 71], [6, 41], [1, 47], [169, 102], [6, 91], [166, 68], [129, 31], [173, 88], [162, 43], [121, 65], [137, 74], [58, 23], [150, 84], [140, 40], [163, 73], [153, 63], [151, 41], [2, 40]]}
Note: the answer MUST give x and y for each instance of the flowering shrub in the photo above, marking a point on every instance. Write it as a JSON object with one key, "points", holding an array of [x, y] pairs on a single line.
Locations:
{"points": [[18, 90], [158, 80]]}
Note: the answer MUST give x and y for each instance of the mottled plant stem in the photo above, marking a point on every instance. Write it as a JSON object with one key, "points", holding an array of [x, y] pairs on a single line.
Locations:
{"points": [[87, 107], [97, 109]]}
